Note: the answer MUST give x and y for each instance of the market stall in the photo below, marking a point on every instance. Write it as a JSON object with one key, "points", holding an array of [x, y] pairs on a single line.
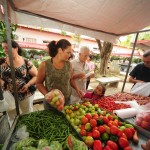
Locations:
{"points": [[21, 15]]}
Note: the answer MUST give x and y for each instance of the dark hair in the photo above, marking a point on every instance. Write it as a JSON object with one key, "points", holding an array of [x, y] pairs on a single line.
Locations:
{"points": [[14, 44], [103, 88], [146, 54], [53, 46]]}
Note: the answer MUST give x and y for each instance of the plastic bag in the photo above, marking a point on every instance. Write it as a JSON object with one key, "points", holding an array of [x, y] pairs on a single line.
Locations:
{"points": [[10, 100], [141, 89], [143, 117], [56, 99], [22, 133], [3, 105]]}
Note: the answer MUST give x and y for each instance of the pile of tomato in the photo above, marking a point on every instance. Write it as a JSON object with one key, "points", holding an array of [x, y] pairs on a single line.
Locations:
{"points": [[108, 103]]}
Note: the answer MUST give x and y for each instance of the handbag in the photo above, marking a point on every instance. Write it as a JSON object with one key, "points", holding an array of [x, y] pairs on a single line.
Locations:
{"points": [[32, 88]]}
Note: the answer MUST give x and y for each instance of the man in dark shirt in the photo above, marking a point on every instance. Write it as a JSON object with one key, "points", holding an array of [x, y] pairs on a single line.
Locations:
{"points": [[141, 72]]}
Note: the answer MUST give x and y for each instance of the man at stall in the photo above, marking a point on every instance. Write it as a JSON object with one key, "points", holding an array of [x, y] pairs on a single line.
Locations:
{"points": [[80, 68], [140, 75]]}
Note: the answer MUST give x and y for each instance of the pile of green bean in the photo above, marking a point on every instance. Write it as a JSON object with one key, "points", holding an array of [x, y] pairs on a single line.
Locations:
{"points": [[47, 125]]}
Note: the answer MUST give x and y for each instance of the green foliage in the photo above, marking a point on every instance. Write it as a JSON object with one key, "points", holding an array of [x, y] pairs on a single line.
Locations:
{"points": [[136, 60], [64, 33], [115, 58], [77, 38], [36, 63], [3, 35], [125, 43]]}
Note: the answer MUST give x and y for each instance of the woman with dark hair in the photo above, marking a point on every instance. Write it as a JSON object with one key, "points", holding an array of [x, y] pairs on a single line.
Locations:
{"points": [[23, 68], [56, 71]]}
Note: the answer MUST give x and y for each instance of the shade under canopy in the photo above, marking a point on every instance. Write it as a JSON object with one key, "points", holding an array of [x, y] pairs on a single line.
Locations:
{"points": [[101, 19]]}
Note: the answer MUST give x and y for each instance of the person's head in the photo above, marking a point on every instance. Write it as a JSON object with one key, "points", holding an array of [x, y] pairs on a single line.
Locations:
{"points": [[100, 90], [16, 49], [84, 53], [61, 48], [146, 58]]}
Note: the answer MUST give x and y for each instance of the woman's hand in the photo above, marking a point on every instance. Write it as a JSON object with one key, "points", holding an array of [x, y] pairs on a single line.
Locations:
{"points": [[24, 88], [146, 146], [80, 93]]}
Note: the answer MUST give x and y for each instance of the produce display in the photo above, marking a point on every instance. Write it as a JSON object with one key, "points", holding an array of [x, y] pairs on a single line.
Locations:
{"points": [[99, 129], [31, 144], [56, 99], [108, 103], [141, 100], [48, 124]]}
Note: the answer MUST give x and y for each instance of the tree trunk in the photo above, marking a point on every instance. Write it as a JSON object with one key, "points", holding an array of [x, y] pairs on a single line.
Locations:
{"points": [[105, 52]]}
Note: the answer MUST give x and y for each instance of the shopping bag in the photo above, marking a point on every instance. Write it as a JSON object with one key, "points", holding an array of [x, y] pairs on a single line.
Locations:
{"points": [[9, 98], [3, 105], [141, 89]]}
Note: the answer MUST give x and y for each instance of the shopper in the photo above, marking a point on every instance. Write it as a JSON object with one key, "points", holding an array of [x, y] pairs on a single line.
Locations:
{"points": [[23, 69], [80, 69], [56, 72]]}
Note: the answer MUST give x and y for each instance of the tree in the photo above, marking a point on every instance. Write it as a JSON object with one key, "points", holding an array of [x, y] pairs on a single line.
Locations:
{"points": [[3, 36], [105, 52]]}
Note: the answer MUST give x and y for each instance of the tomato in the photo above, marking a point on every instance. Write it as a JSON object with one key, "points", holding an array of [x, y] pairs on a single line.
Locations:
{"points": [[95, 116], [105, 120], [120, 133], [84, 120], [101, 129], [113, 130], [105, 136], [95, 128], [93, 122], [144, 124], [133, 130], [82, 127], [115, 122], [89, 134], [89, 141], [89, 116], [123, 142], [107, 148], [112, 145], [128, 133], [95, 134], [97, 145], [83, 132], [128, 148]]}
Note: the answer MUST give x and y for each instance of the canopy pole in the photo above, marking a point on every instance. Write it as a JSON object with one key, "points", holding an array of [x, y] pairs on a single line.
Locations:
{"points": [[130, 61], [8, 33]]}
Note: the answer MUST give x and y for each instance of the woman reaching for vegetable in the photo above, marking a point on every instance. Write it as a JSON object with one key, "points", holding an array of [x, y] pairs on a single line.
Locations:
{"points": [[56, 72]]}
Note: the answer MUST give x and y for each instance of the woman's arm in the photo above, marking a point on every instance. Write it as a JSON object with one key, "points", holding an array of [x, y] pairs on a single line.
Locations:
{"points": [[41, 78]]}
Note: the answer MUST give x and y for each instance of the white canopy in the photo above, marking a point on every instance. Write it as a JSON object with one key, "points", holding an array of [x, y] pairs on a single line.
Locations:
{"points": [[101, 19]]}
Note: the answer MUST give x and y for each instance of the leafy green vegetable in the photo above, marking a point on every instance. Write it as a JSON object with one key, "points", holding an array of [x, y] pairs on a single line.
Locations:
{"points": [[42, 143]]}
